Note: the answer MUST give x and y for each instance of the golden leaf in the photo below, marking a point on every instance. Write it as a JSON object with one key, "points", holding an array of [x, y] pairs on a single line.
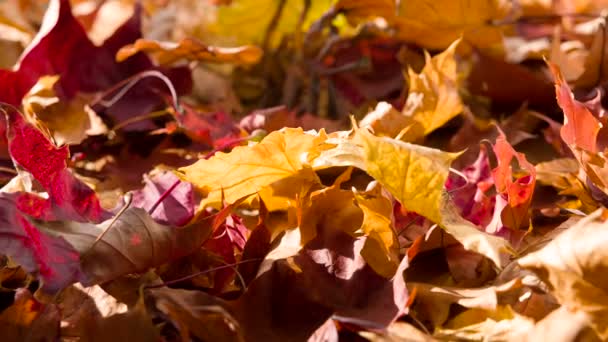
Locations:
{"points": [[381, 248], [189, 49], [247, 169], [416, 175], [433, 94], [436, 24]]}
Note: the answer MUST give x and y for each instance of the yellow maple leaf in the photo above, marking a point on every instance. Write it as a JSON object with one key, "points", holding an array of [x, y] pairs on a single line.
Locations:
{"points": [[69, 122], [248, 169], [432, 101], [247, 21], [436, 24], [416, 175], [381, 249]]}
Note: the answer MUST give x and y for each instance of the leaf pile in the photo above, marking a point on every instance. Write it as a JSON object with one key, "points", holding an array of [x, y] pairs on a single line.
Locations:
{"points": [[303, 170]]}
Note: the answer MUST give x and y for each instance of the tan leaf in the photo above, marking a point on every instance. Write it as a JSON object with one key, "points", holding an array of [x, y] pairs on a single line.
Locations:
{"points": [[574, 265], [70, 122]]}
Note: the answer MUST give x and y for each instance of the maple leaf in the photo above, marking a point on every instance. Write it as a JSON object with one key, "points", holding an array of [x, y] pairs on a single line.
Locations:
{"points": [[133, 243], [518, 193], [176, 209], [432, 100], [580, 127], [305, 287], [53, 258], [166, 53], [580, 132], [70, 122], [247, 169], [381, 249], [416, 175], [574, 267], [32, 151]]}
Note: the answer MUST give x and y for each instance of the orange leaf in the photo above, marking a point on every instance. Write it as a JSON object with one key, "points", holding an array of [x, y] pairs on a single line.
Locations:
{"points": [[580, 126]]}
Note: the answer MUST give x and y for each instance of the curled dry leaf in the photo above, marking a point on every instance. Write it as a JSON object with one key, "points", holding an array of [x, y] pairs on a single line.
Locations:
{"points": [[574, 266], [580, 132], [69, 122], [167, 53], [133, 243]]}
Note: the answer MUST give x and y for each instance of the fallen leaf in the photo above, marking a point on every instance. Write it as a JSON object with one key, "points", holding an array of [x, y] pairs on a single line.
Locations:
{"points": [[69, 123], [573, 265], [248, 169], [29, 320], [179, 205], [31, 150], [196, 314], [435, 25], [433, 97], [52, 258], [414, 174], [422, 189], [167, 53], [381, 249], [580, 127], [133, 243]]}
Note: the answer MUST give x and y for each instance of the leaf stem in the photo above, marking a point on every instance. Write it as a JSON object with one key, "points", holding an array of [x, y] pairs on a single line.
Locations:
{"points": [[171, 282], [129, 199], [163, 196], [128, 83]]}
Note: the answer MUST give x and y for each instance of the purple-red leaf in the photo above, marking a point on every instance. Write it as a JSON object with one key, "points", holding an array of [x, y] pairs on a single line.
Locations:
{"points": [[53, 258], [31, 150], [176, 208]]}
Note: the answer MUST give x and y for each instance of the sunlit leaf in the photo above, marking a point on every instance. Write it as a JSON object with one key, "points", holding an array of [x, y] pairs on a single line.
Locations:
{"points": [[167, 53], [574, 265], [248, 169]]}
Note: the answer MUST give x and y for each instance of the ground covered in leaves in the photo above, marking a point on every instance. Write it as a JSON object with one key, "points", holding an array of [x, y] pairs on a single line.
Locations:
{"points": [[298, 170]]}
